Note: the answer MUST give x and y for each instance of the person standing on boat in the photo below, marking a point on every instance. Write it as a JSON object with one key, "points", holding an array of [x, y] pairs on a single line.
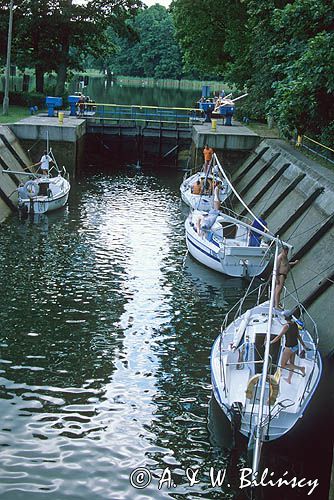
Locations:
{"points": [[292, 337], [216, 196], [283, 267], [208, 154], [44, 163], [255, 238]]}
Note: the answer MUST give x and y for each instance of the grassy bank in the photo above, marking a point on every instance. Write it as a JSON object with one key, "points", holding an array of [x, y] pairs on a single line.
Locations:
{"points": [[15, 113]]}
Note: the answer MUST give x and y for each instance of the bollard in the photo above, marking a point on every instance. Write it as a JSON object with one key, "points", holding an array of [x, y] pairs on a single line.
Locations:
{"points": [[61, 117], [213, 125], [299, 141]]}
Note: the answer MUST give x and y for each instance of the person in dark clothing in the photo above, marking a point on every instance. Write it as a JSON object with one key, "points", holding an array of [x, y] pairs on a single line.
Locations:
{"points": [[292, 337]]}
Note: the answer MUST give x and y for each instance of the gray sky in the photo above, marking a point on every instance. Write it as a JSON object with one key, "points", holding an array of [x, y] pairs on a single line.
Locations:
{"points": [[165, 3]]}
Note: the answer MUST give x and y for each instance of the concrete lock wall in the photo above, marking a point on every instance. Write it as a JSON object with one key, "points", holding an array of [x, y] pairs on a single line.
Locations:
{"points": [[12, 157], [297, 206], [66, 139]]}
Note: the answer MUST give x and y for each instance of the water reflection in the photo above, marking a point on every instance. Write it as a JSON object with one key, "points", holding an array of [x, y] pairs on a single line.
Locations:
{"points": [[102, 91]]}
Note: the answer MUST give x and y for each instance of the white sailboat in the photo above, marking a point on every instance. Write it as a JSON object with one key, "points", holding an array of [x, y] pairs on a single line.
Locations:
{"points": [[43, 193], [203, 200], [227, 244], [222, 243], [248, 379]]}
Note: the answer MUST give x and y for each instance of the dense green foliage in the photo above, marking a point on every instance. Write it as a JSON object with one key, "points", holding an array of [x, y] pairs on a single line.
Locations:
{"points": [[202, 36], [281, 51], [57, 34], [154, 51]]}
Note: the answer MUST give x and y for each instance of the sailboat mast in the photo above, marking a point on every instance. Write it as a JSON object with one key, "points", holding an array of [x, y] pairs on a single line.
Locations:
{"points": [[259, 426]]}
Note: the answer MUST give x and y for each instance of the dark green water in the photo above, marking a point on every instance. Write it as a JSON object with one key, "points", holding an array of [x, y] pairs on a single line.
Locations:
{"points": [[106, 331]]}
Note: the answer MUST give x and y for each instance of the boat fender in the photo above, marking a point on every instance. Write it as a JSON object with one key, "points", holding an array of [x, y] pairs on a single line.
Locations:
{"points": [[49, 193], [32, 188], [273, 387]]}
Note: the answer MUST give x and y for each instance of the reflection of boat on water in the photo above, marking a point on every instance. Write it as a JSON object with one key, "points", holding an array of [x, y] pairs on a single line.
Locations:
{"points": [[213, 286], [45, 220], [220, 432], [249, 381]]}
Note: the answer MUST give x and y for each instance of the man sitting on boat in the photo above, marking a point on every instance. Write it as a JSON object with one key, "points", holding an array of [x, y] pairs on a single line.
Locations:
{"points": [[207, 187], [196, 188]]}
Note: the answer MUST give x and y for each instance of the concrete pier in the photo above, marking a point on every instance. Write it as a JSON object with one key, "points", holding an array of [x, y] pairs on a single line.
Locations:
{"points": [[66, 139], [235, 137]]}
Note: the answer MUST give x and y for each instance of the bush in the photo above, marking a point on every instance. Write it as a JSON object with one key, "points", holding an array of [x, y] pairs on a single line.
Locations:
{"points": [[26, 99]]}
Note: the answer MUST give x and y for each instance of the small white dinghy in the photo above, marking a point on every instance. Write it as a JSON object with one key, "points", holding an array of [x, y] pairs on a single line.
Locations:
{"points": [[204, 199], [222, 243], [248, 380]]}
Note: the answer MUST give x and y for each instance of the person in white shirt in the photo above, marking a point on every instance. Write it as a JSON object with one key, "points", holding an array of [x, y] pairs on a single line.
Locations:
{"points": [[45, 163]]}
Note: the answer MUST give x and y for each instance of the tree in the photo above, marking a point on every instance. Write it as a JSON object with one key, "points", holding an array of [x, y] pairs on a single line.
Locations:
{"points": [[52, 34], [200, 30], [303, 54], [155, 52]]}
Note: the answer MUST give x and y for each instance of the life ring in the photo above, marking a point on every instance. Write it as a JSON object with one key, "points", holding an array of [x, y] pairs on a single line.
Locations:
{"points": [[32, 188], [273, 387]]}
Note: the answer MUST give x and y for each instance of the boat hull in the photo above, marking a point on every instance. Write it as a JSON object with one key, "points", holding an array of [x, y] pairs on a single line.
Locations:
{"points": [[232, 261], [44, 204]]}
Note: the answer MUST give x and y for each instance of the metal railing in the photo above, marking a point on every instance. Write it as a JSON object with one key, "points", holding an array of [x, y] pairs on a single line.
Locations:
{"points": [[149, 116], [316, 148]]}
